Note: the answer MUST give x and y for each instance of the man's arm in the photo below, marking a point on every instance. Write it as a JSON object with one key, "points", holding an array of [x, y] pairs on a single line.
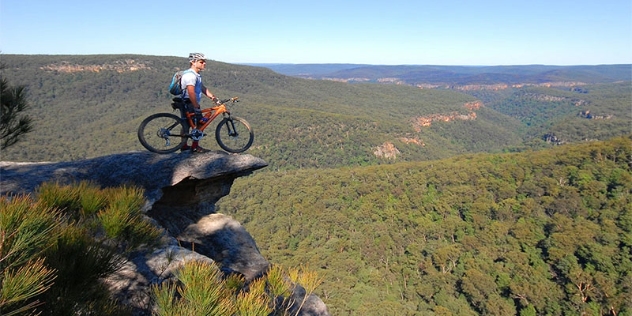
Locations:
{"points": [[209, 94], [192, 97]]}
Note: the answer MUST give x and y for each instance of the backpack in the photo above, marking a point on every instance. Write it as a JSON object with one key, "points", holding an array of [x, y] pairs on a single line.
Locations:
{"points": [[175, 87]]}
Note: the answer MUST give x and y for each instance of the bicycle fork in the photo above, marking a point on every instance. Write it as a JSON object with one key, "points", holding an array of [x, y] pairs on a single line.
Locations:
{"points": [[230, 124]]}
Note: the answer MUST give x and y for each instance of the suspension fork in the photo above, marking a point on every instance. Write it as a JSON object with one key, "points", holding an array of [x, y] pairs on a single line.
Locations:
{"points": [[230, 124]]}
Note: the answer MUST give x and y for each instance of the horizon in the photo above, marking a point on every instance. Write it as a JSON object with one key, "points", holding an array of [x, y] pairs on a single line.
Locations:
{"points": [[404, 32], [329, 63]]}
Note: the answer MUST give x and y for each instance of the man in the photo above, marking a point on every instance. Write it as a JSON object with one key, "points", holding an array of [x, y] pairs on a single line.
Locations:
{"points": [[193, 89]]}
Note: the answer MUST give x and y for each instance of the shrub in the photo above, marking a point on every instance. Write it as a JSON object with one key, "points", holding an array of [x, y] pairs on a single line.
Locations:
{"points": [[25, 231], [199, 288], [54, 251], [113, 212]]}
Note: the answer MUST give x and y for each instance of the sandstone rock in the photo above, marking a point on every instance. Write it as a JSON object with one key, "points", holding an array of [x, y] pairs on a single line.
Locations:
{"points": [[181, 192], [150, 171]]}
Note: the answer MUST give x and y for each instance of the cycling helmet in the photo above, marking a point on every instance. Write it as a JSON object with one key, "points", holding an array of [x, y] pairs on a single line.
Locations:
{"points": [[196, 56]]}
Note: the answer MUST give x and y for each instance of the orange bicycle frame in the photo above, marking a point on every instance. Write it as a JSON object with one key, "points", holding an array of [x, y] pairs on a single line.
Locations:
{"points": [[210, 113]]}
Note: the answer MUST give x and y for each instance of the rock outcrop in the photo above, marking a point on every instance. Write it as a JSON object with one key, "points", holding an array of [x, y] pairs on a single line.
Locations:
{"points": [[181, 192]]}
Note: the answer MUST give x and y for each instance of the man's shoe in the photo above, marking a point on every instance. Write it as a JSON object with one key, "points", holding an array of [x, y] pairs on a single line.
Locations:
{"points": [[185, 147], [199, 150]]}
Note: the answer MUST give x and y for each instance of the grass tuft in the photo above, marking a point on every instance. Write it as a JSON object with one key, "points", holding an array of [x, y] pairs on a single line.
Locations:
{"points": [[54, 251], [201, 290], [25, 231]]}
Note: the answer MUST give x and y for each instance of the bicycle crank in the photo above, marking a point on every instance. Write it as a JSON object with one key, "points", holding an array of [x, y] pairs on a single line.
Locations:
{"points": [[196, 134]]}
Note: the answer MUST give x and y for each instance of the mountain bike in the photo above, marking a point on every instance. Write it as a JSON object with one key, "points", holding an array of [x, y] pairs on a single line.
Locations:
{"points": [[165, 133]]}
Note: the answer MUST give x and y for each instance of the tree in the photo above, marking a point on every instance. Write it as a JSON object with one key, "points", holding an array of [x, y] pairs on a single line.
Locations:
{"points": [[13, 123]]}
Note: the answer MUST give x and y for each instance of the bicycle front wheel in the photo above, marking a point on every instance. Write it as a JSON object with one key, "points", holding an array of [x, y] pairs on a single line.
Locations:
{"points": [[162, 133], [234, 134]]}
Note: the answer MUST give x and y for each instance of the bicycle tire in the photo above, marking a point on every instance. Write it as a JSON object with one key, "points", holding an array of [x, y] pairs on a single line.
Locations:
{"points": [[234, 143], [162, 133]]}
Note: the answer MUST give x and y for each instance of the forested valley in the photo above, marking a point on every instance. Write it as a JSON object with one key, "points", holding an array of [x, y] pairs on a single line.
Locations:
{"points": [[536, 233], [407, 201]]}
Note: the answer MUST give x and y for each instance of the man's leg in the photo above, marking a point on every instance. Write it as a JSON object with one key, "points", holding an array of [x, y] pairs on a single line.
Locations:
{"points": [[187, 107]]}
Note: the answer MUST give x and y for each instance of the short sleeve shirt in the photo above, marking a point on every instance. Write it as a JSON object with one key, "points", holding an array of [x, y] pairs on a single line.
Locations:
{"points": [[191, 78]]}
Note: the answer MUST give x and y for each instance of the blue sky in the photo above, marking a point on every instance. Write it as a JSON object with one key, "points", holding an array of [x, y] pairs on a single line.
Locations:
{"points": [[395, 32]]}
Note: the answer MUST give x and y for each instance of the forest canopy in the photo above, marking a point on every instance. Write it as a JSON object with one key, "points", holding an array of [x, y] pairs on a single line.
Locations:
{"points": [[537, 233]]}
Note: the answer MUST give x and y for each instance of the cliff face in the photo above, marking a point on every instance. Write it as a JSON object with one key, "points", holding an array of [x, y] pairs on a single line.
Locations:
{"points": [[181, 192]]}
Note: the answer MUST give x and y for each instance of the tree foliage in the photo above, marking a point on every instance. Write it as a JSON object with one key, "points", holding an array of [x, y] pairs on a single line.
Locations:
{"points": [[14, 123], [545, 232]]}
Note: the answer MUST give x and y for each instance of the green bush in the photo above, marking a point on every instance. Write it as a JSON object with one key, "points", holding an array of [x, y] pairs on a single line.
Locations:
{"points": [[122, 219], [80, 262], [25, 231], [200, 290], [55, 250], [112, 212]]}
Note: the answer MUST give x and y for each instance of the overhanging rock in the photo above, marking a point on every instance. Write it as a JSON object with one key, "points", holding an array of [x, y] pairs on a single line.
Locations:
{"points": [[181, 192], [150, 171]]}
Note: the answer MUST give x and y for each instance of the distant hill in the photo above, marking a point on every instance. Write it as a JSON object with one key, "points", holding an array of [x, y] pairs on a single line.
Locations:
{"points": [[91, 105], [308, 69], [457, 75]]}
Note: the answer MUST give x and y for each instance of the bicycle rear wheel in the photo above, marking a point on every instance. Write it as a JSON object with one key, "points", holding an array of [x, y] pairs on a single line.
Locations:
{"points": [[234, 134], [162, 133]]}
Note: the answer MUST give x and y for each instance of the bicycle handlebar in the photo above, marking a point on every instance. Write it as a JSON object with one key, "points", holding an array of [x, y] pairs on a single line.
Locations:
{"points": [[233, 99]]}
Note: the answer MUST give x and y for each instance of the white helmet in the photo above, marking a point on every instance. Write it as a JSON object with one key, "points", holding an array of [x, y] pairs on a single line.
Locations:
{"points": [[196, 56]]}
